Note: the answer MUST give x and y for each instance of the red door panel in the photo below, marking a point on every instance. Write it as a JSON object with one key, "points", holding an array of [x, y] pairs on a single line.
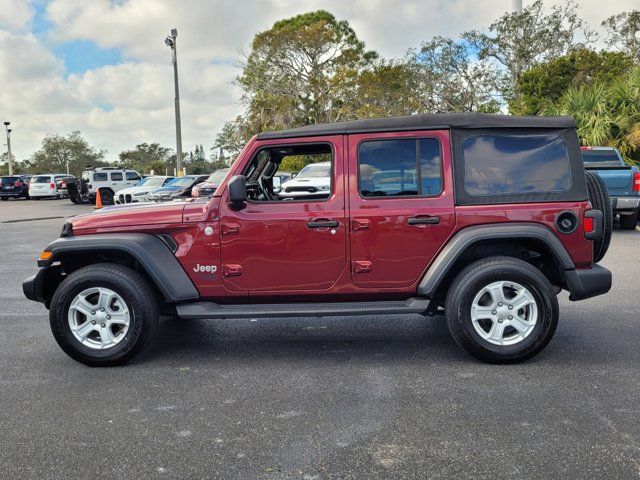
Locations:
{"points": [[277, 247], [394, 239]]}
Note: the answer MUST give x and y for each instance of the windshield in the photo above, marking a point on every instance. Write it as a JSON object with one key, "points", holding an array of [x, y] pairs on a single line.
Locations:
{"points": [[180, 182], [315, 170], [151, 182], [217, 176], [41, 179], [9, 180], [605, 157]]}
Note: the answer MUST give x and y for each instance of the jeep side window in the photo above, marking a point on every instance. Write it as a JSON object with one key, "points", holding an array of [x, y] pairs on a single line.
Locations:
{"points": [[269, 166], [515, 164], [400, 167], [132, 176], [116, 176], [100, 176]]}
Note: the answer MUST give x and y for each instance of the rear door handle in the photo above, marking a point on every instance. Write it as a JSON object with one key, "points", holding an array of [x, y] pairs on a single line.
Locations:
{"points": [[323, 223], [423, 220]]}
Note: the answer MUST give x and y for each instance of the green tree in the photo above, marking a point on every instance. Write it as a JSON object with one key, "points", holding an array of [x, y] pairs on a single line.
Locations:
{"points": [[450, 78], [518, 41], [59, 152], [623, 33], [146, 157], [606, 114], [197, 163], [298, 70], [548, 81]]}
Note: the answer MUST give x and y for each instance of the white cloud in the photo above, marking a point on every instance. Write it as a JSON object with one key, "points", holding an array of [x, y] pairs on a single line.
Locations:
{"points": [[15, 14], [117, 106]]}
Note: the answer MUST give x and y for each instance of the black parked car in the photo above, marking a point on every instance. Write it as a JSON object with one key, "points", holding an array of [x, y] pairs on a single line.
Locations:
{"points": [[16, 186]]}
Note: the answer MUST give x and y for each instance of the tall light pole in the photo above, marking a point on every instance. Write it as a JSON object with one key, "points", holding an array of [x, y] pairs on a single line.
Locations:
{"points": [[6, 126], [170, 42]]}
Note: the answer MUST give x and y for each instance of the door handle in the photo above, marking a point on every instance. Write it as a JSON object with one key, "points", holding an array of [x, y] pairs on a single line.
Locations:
{"points": [[423, 220], [323, 223]]}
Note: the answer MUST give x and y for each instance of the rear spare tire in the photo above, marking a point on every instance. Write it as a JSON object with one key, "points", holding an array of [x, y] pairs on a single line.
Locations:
{"points": [[599, 198]]}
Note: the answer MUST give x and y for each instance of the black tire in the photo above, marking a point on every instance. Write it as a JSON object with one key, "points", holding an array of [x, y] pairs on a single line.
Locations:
{"points": [[471, 280], [136, 293], [107, 197], [629, 222], [74, 199], [36, 198], [599, 198], [4, 199]]}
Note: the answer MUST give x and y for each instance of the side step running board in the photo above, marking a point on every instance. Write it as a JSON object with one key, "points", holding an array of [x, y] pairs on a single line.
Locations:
{"points": [[204, 310]]}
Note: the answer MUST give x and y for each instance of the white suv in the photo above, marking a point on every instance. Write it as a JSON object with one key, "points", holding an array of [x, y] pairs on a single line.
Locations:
{"points": [[142, 191], [313, 181], [110, 180]]}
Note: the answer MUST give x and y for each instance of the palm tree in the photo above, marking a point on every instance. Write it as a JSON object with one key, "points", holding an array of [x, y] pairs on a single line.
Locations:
{"points": [[605, 114]]}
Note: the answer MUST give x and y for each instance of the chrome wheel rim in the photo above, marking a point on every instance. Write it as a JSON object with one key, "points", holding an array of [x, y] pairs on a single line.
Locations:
{"points": [[99, 318], [504, 313]]}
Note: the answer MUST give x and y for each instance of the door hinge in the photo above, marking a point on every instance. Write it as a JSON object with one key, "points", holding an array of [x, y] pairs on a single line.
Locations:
{"points": [[230, 229], [231, 270], [361, 266]]}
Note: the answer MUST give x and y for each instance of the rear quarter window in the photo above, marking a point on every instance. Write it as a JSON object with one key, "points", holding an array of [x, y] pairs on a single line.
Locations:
{"points": [[100, 177], [41, 179], [515, 164]]}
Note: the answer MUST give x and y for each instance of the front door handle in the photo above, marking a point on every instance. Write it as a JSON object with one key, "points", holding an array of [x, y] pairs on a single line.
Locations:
{"points": [[423, 220], [323, 223]]}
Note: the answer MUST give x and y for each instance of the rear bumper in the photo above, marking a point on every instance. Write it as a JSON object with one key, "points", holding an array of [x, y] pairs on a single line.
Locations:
{"points": [[587, 282], [11, 194], [625, 203]]}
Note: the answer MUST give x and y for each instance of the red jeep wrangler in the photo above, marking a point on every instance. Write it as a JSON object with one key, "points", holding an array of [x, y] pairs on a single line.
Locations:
{"points": [[484, 217]]}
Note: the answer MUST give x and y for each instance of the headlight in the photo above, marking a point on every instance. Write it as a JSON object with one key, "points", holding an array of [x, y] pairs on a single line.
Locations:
{"points": [[139, 194]]}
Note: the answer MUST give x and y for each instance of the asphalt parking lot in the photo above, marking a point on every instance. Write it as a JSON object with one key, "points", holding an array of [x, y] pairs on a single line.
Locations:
{"points": [[328, 398]]}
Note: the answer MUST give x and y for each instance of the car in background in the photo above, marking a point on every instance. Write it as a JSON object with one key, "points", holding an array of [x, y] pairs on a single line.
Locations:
{"points": [[109, 180], [209, 187], [14, 186], [45, 186], [142, 191], [622, 181], [177, 188], [61, 185], [313, 181]]}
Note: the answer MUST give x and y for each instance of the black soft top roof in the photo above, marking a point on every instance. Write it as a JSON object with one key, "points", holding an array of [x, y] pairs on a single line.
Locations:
{"points": [[424, 122]]}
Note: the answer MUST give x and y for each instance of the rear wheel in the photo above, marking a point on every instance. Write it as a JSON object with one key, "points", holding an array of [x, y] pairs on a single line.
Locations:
{"points": [[501, 310], [629, 222], [599, 198], [103, 314], [4, 199]]}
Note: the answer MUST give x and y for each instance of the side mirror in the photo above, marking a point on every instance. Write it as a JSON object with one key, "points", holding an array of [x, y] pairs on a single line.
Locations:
{"points": [[238, 189], [277, 184]]}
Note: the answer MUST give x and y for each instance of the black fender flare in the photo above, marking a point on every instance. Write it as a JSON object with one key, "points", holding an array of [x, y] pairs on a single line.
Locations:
{"points": [[155, 257], [466, 237]]}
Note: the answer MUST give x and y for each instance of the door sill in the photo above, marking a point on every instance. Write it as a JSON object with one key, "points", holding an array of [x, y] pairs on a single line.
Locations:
{"points": [[212, 310]]}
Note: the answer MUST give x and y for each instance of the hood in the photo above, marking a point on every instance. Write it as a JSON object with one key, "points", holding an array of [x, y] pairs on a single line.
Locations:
{"points": [[171, 189], [308, 181], [129, 215], [132, 190]]}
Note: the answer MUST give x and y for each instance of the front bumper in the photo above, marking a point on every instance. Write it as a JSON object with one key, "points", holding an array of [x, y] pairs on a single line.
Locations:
{"points": [[625, 203], [33, 287], [585, 283]]}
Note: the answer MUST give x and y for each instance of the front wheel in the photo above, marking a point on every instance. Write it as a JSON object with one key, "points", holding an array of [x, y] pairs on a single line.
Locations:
{"points": [[502, 310], [103, 314]]}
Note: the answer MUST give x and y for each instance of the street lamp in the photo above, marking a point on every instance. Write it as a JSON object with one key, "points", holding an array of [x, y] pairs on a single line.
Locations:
{"points": [[170, 42], [6, 126]]}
